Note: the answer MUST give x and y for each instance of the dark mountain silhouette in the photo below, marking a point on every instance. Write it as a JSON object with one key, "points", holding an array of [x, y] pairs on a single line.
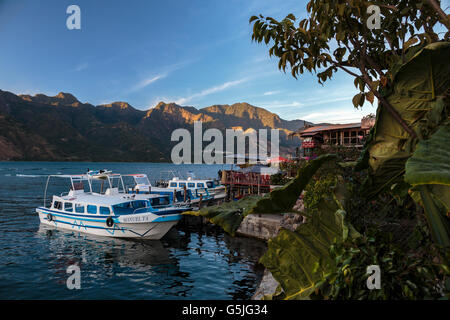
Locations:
{"points": [[62, 128]]}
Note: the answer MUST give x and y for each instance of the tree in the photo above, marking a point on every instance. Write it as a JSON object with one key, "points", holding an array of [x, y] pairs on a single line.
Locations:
{"points": [[336, 36]]}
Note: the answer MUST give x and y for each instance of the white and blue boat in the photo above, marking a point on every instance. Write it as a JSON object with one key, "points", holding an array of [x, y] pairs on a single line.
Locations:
{"points": [[181, 194], [216, 190], [110, 213]]}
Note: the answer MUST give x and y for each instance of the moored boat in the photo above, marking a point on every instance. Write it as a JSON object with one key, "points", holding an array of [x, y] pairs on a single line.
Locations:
{"points": [[216, 190], [111, 214], [181, 195]]}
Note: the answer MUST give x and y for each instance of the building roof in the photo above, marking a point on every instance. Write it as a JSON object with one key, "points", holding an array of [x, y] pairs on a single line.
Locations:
{"points": [[330, 127]]}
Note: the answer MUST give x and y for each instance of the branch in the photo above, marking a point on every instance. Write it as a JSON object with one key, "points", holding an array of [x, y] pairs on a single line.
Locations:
{"points": [[391, 44], [365, 57], [388, 106], [338, 65], [443, 17]]}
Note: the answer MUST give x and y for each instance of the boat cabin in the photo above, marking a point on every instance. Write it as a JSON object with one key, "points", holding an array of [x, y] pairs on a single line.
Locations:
{"points": [[82, 198], [191, 184], [92, 204], [142, 185]]}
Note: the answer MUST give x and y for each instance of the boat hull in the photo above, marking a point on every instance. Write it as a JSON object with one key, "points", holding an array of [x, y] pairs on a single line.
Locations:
{"points": [[97, 225]]}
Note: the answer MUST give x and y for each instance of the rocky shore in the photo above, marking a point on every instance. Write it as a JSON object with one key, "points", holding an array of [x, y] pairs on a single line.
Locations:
{"points": [[265, 227], [262, 227]]}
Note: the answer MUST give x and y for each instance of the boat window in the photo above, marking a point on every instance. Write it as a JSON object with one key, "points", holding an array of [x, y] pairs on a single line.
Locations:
{"points": [[139, 204], [105, 210], [57, 205], [92, 209], [179, 195], [123, 208], [200, 185], [173, 184], [160, 201], [79, 208], [182, 184], [68, 206], [141, 180], [209, 184], [191, 185]]}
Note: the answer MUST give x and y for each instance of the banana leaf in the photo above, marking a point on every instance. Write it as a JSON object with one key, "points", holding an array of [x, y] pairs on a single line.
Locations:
{"points": [[428, 171], [298, 260], [282, 200], [228, 215], [417, 93]]}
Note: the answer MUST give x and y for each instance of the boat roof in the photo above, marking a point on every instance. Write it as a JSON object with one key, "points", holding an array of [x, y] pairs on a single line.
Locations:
{"points": [[108, 200], [189, 180], [137, 175], [83, 176]]}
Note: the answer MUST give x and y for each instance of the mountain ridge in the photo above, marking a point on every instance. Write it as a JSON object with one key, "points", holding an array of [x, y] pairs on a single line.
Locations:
{"points": [[62, 128]]}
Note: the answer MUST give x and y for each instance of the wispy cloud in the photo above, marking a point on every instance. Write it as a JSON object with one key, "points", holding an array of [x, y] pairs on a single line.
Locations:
{"points": [[81, 66], [147, 81], [315, 102], [158, 76], [333, 116], [278, 104], [212, 90], [270, 93]]}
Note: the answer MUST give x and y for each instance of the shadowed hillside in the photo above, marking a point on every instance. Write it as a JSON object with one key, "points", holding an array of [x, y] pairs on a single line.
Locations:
{"points": [[62, 128]]}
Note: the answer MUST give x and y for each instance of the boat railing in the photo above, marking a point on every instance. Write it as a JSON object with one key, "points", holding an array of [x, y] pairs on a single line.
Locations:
{"points": [[162, 206], [143, 209], [64, 194]]}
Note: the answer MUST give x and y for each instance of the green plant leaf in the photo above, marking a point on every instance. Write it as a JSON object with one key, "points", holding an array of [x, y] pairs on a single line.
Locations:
{"points": [[299, 259], [228, 215], [283, 199], [416, 94], [430, 162], [428, 170]]}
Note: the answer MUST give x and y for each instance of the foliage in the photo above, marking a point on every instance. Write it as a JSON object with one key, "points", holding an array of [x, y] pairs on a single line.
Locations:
{"points": [[291, 168], [317, 190], [278, 179], [335, 37], [428, 171], [283, 199], [404, 275], [429, 165], [227, 215], [295, 258], [404, 253], [411, 84], [418, 94]]}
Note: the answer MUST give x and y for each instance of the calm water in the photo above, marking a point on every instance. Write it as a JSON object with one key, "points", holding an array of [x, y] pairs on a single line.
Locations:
{"points": [[188, 263]]}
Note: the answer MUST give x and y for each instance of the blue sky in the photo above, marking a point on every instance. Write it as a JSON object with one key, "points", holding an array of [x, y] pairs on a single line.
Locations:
{"points": [[196, 53]]}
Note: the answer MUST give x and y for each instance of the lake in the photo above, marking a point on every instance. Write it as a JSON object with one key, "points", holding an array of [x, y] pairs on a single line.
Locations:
{"points": [[188, 263]]}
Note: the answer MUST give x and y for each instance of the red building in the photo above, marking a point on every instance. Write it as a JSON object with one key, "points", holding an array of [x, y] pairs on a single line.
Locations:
{"points": [[345, 135]]}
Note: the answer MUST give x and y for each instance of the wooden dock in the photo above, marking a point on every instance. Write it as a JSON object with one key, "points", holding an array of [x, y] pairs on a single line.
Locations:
{"points": [[241, 184]]}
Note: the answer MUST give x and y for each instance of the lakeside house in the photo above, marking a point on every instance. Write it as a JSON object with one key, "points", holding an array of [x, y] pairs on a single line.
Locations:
{"points": [[323, 136]]}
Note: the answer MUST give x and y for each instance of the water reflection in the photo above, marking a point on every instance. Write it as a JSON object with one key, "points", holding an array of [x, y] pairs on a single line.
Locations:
{"points": [[188, 263], [130, 253]]}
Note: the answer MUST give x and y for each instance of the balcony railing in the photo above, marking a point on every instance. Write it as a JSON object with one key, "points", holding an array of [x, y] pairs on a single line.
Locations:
{"points": [[308, 144]]}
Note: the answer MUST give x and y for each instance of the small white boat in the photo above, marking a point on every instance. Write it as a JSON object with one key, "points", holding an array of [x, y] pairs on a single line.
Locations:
{"points": [[181, 195], [216, 190], [111, 214]]}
